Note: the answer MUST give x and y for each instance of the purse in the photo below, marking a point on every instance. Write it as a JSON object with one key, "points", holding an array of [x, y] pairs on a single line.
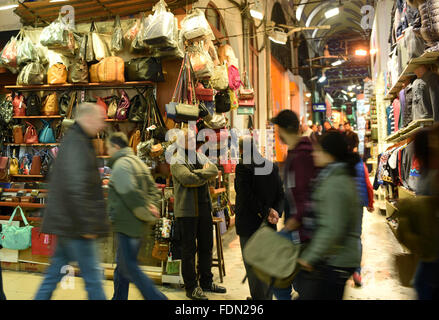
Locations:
{"points": [[102, 104], [123, 107], [32, 73], [100, 48], [33, 105], [220, 77], [46, 134], [36, 165], [4, 169], [222, 102], [111, 69], [187, 109], [13, 166], [160, 250], [204, 94], [99, 146], [78, 72], [135, 140], [30, 137], [50, 105], [117, 37], [16, 238], [17, 132], [57, 74], [218, 121], [138, 107], [68, 121], [234, 104], [112, 107], [94, 78], [19, 105], [156, 150], [144, 69]]}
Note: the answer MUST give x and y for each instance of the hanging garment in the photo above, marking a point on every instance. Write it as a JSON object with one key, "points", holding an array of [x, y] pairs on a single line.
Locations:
{"points": [[396, 111], [408, 115], [402, 109], [390, 120], [426, 97]]}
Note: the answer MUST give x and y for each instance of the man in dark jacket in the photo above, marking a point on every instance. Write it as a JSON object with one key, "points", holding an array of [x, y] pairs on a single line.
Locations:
{"points": [[259, 197], [298, 173], [76, 210]]}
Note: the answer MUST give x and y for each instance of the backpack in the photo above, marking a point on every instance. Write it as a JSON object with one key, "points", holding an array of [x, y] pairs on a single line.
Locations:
{"points": [[46, 133], [33, 103], [234, 78], [123, 107]]}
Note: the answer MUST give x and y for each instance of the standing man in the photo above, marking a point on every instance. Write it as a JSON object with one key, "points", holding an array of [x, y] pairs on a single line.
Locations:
{"points": [[76, 209], [193, 210], [351, 136], [299, 171], [319, 130], [314, 135], [133, 201], [256, 203], [327, 126]]}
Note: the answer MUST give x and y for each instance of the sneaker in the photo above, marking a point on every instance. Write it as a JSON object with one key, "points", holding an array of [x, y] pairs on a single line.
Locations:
{"points": [[215, 289], [197, 294], [357, 279]]}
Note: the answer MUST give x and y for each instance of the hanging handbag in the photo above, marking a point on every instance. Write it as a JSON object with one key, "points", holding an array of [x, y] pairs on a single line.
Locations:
{"points": [[123, 107], [4, 169], [63, 103], [13, 166], [234, 77], [6, 110], [117, 37], [204, 94], [112, 107], [43, 244], [17, 132], [218, 121], [19, 105], [246, 92], [138, 107], [78, 72], [99, 145], [32, 74], [188, 109], [30, 137], [144, 69], [234, 104], [68, 121], [33, 105], [9, 53], [16, 238], [57, 74], [50, 105], [220, 77], [36, 165], [135, 140], [94, 77], [46, 134], [100, 102], [222, 102], [100, 49]]}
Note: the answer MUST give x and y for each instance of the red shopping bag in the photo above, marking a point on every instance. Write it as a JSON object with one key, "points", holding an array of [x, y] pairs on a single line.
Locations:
{"points": [[42, 244]]}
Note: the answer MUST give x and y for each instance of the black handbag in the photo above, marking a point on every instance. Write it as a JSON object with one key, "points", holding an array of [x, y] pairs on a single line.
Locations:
{"points": [[33, 103], [138, 107], [144, 69], [222, 102], [63, 103]]}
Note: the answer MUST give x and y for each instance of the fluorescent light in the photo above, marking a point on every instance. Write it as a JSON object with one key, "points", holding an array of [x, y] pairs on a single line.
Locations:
{"points": [[9, 6], [322, 79], [332, 13], [337, 63], [256, 14], [343, 91], [308, 94], [361, 52]]}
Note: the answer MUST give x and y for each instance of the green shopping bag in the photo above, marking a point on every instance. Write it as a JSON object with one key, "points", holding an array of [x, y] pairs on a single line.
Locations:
{"points": [[16, 238]]}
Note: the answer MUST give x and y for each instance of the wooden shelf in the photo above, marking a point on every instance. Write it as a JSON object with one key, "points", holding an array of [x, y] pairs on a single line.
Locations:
{"points": [[89, 86], [27, 176], [18, 218], [22, 204], [115, 120], [426, 58], [410, 130], [26, 190], [32, 145], [39, 117]]}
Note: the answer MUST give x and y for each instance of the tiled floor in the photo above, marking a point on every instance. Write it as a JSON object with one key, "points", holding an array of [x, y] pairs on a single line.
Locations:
{"points": [[379, 277]]}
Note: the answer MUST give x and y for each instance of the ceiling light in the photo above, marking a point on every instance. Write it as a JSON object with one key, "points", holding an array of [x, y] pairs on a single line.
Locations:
{"points": [[351, 87], [332, 13], [351, 94], [322, 79], [308, 94], [278, 36], [337, 63], [373, 51], [361, 52]]}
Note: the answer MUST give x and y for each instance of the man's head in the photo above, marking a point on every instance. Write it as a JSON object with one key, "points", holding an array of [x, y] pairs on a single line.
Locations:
{"points": [[91, 118], [115, 142], [288, 124], [314, 128], [347, 126], [319, 128], [341, 127], [327, 125]]}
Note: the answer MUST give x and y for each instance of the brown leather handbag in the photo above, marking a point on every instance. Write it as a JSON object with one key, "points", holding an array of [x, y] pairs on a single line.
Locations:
{"points": [[135, 140], [31, 136], [36, 166], [160, 250], [57, 74], [111, 69], [4, 169], [50, 105], [99, 145], [17, 132], [94, 73]]}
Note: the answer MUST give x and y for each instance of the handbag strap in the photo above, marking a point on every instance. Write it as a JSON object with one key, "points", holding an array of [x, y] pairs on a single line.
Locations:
{"points": [[178, 82], [22, 216], [71, 104]]}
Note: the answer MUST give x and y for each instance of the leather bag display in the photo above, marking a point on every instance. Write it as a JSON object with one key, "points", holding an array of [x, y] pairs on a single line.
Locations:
{"points": [[31, 136], [112, 107], [100, 49], [4, 169], [32, 73], [100, 102], [220, 77], [36, 165], [222, 102], [111, 69], [16, 238], [204, 94], [50, 105], [94, 78], [19, 105], [135, 140], [13, 166], [17, 134], [123, 107], [46, 134], [33, 105], [57, 74], [78, 73], [144, 69]]}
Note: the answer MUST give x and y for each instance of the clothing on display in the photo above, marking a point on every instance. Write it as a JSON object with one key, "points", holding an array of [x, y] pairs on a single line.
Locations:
{"points": [[426, 97]]}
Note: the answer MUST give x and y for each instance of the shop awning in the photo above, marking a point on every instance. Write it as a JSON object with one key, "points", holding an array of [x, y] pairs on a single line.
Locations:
{"points": [[41, 13]]}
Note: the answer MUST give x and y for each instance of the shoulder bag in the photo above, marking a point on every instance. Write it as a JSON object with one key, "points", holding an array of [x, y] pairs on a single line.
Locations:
{"points": [[144, 69], [222, 102], [112, 107], [50, 105], [188, 109], [33, 105], [46, 134], [19, 105], [138, 107], [100, 49], [4, 169], [30, 137], [123, 107], [13, 166], [57, 74], [17, 132], [35, 168], [111, 69], [16, 238], [32, 73]]}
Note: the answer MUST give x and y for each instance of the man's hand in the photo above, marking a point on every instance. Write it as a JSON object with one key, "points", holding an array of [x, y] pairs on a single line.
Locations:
{"points": [[155, 212], [89, 236], [292, 224], [305, 265], [273, 216]]}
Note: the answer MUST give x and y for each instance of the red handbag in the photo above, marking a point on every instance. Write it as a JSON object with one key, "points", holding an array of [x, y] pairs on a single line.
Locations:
{"points": [[246, 102], [204, 94], [229, 167], [102, 103], [42, 244], [31, 136], [19, 106]]}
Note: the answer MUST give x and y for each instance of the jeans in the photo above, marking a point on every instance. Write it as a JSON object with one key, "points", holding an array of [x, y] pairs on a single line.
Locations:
{"points": [[258, 289], [83, 251], [427, 280], [323, 283], [2, 293], [197, 236], [360, 245], [127, 270]]}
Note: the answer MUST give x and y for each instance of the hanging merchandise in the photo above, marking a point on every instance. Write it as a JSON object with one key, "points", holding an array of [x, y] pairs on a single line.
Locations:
{"points": [[138, 108], [13, 166], [63, 103], [234, 104], [57, 74], [110, 69], [117, 37], [43, 244], [204, 94], [33, 105], [4, 167], [36, 165], [78, 72], [99, 145], [187, 109], [135, 139], [9, 55], [31, 74], [100, 49], [414, 44], [67, 122], [218, 121], [123, 107], [138, 45], [161, 27], [100, 102], [234, 77], [144, 69], [30, 137], [57, 36], [112, 107], [50, 105], [26, 52], [220, 77], [201, 61], [19, 105], [210, 47], [16, 238], [6, 110], [195, 25], [226, 54], [222, 102], [246, 92], [17, 133]]}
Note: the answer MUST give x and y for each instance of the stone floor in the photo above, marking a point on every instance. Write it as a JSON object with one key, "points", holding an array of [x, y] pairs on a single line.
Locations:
{"points": [[379, 277]]}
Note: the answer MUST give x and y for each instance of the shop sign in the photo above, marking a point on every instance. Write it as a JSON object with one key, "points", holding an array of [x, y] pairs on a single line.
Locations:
{"points": [[246, 111], [319, 107]]}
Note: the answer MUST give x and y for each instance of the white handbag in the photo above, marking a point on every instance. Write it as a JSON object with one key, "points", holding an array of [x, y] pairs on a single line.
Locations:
{"points": [[220, 77]]}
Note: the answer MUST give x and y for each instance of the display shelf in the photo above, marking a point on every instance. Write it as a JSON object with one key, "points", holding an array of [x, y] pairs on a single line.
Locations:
{"points": [[390, 208], [26, 190], [408, 131], [32, 145], [39, 117], [426, 58], [405, 193], [22, 205], [27, 176], [85, 86]]}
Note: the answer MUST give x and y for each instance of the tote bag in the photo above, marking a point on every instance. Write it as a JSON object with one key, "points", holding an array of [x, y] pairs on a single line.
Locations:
{"points": [[16, 238]]}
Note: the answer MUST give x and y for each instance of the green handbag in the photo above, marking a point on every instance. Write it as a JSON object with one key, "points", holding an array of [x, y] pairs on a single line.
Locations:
{"points": [[16, 238]]}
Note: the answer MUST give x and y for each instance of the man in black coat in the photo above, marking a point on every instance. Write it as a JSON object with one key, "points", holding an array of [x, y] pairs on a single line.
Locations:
{"points": [[259, 197], [76, 210]]}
